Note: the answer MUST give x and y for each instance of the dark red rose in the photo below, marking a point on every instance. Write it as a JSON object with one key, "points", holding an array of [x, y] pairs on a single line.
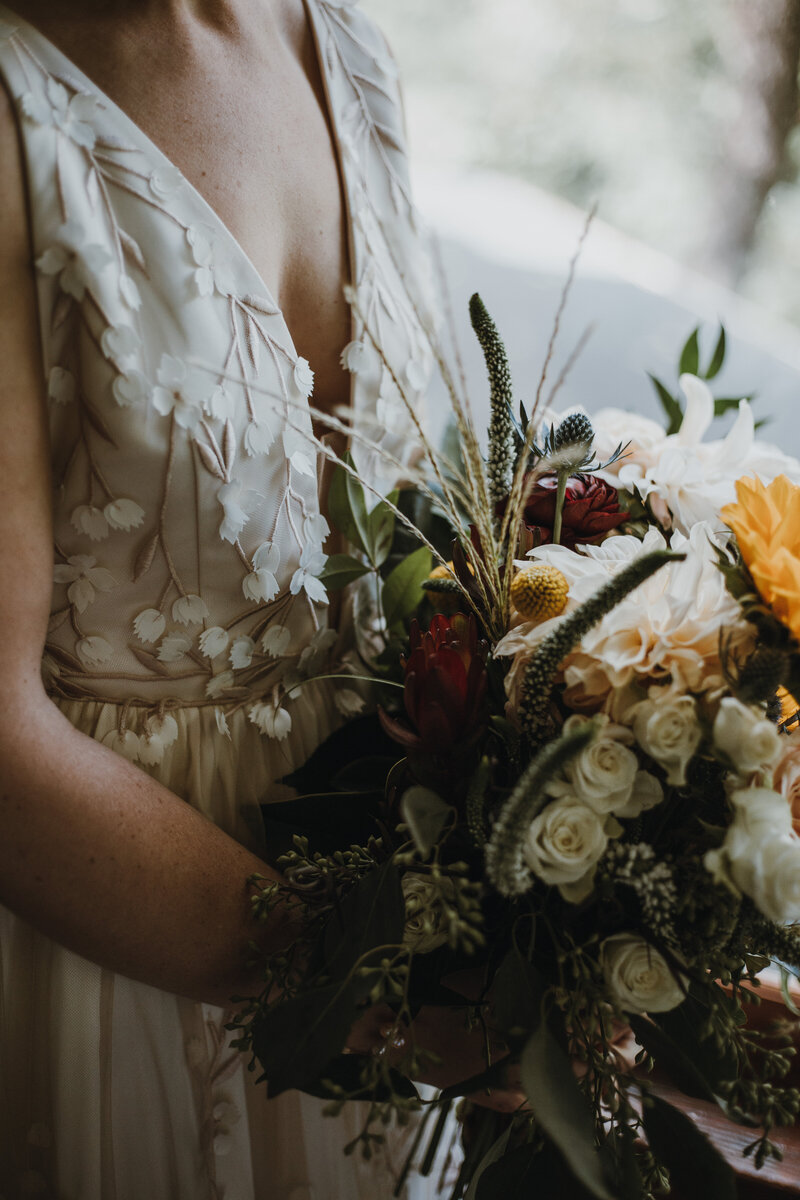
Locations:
{"points": [[445, 690], [591, 509]]}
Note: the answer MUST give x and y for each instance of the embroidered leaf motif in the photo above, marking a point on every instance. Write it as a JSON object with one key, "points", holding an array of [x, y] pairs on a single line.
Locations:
{"points": [[133, 251], [61, 310], [97, 423], [149, 660], [228, 446], [210, 461], [144, 559]]}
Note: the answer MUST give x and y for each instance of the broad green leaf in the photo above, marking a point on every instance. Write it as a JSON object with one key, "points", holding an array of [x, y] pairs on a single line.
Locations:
{"points": [[340, 570], [402, 588], [561, 1109], [370, 914], [380, 530], [718, 357], [347, 506], [671, 1059], [697, 1170], [671, 406], [690, 355], [296, 1040], [426, 814]]}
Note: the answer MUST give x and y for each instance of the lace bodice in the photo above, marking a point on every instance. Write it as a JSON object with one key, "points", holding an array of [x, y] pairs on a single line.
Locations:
{"points": [[188, 536]]}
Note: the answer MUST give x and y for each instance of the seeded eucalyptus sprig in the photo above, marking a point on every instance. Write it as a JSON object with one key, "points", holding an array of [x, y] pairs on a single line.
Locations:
{"points": [[541, 671]]}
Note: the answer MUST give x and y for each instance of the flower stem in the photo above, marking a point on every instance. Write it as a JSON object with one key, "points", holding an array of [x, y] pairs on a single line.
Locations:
{"points": [[563, 476]]}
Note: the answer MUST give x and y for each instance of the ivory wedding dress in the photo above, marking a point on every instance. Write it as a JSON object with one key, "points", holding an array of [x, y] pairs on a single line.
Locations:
{"points": [[186, 606]]}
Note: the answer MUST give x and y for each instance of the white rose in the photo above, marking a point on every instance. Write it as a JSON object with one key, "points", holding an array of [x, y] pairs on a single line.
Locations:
{"points": [[761, 854], [565, 843], [637, 976], [668, 730], [425, 928], [747, 738], [603, 774]]}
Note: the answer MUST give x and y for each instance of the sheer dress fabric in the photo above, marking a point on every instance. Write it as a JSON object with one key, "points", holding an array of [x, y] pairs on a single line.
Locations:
{"points": [[187, 614]]}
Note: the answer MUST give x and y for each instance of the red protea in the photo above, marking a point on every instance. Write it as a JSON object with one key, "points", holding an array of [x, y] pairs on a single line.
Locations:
{"points": [[445, 695]]}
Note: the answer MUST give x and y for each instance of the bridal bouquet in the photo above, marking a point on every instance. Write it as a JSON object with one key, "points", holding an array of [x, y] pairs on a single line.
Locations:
{"points": [[577, 788]]}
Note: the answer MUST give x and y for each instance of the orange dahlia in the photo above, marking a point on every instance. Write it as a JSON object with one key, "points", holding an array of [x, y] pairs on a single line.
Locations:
{"points": [[766, 521]]}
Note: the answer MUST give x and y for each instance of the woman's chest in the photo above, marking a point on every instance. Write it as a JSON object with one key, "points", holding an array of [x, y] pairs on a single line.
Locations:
{"points": [[246, 123]]}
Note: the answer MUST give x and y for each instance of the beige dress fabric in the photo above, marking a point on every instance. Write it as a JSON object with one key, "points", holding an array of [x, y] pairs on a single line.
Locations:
{"points": [[187, 612]]}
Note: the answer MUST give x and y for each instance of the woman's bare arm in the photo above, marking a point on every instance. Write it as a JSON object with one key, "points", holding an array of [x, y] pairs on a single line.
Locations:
{"points": [[93, 852]]}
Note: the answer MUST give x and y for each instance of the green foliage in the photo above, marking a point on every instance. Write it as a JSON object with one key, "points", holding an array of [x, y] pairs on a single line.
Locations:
{"points": [[402, 588], [561, 1109], [501, 395], [341, 570], [369, 531], [689, 363]]}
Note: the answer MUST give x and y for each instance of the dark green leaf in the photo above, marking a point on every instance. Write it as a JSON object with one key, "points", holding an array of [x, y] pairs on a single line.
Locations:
{"points": [[517, 992], [425, 813], [402, 589], [340, 570], [728, 404], [517, 1175], [492, 1155], [295, 1041], [678, 1067], [718, 357], [672, 407], [347, 506], [690, 355], [370, 914], [380, 530], [697, 1170], [561, 1109], [683, 1025], [343, 746]]}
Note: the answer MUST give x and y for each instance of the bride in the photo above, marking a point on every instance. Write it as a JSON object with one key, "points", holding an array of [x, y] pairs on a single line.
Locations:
{"points": [[186, 185]]}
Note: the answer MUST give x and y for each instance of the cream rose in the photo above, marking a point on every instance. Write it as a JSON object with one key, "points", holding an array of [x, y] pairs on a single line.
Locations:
{"points": [[425, 928], [564, 844], [637, 976], [667, 728], [603, 774], [745, 736], [761, 854], [786, 777], [646, 793]]}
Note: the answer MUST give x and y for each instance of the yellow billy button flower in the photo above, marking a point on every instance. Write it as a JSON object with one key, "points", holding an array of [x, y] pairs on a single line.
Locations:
{"points": [[539, 592], [766, 521]]}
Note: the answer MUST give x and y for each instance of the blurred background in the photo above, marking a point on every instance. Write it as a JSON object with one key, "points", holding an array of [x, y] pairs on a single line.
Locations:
{"points": [[677, 118]]}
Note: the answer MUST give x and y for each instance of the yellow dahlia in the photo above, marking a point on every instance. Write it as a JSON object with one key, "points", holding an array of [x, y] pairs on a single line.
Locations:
{"points": [[766, 521]]}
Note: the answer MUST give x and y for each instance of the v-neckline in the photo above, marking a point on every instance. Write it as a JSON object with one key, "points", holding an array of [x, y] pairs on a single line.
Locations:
{"points": [[152, 150]]}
